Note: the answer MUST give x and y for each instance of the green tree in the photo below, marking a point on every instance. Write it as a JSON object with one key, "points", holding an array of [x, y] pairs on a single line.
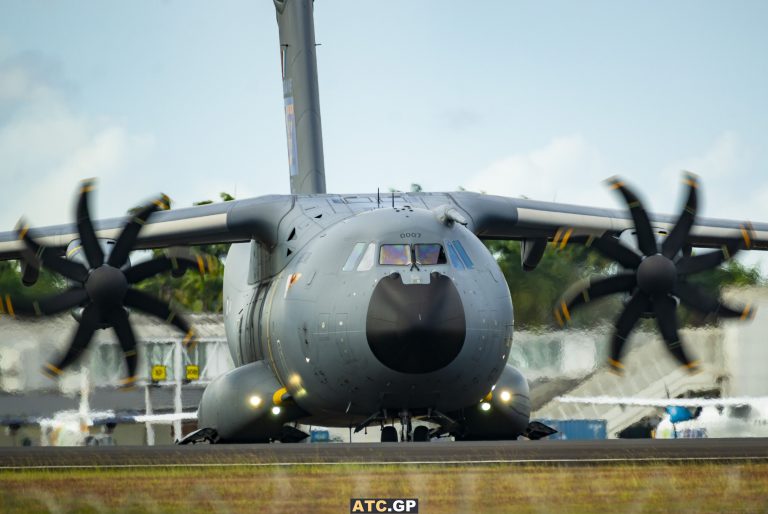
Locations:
{"points": [[194, 291], [535, 293], [10, 282]]}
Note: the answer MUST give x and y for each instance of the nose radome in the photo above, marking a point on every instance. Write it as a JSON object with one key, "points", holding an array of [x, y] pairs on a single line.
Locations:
{"points": [[415, 328]]}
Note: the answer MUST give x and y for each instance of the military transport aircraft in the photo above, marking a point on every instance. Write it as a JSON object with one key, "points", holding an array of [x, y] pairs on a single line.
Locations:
{"points": [[353, 310]]}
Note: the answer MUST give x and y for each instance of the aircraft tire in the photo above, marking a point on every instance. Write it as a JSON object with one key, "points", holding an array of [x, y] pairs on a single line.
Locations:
{"points": [[388, 434], [421, 434]]}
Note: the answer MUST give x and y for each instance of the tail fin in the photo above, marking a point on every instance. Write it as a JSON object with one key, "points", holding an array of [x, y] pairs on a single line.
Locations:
{"points": [[298, 61]]}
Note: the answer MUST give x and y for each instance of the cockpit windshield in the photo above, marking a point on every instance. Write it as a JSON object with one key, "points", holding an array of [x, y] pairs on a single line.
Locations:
{"points": [[405, 255], [361, 257], [354, 257], [395, 255], [429, 253]]}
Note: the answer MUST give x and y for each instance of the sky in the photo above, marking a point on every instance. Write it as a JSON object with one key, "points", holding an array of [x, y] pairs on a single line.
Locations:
{"points": [[536, 99]]}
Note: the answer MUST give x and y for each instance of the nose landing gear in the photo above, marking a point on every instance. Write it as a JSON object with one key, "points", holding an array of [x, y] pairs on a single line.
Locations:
{"points": [[389, 432], [406, 428], [408, 433]]}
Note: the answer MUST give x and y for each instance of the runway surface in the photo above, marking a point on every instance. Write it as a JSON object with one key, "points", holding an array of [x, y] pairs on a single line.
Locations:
{"points": [[522, 452]]}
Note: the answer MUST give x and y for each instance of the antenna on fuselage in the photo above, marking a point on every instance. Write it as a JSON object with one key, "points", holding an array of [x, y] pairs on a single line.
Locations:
{"points": [[298, 61]]}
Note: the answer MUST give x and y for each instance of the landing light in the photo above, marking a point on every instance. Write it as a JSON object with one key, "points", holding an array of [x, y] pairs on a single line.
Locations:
{"points": [[254, 400], [275, 410], [505, 396], [485, 406]]}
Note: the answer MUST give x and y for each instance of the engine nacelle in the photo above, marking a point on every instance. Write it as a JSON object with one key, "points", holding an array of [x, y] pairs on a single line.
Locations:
{"points": [[503, 414], [247, 405]]}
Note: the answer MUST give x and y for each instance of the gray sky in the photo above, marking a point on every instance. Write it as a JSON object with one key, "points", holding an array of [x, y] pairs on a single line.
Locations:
{"points": [[542, 99]]}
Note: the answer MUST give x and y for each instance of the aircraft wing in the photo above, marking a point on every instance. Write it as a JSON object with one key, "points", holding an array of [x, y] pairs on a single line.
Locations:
{"points": [[488, 216], [662, 403], [498, 217], [226, 222]]}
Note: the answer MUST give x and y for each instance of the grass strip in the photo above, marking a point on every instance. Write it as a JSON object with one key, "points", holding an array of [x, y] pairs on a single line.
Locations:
{"points": [[484, 488]]}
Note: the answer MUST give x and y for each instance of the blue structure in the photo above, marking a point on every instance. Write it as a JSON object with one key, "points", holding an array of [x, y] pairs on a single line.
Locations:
{"points": [[577, 429]]}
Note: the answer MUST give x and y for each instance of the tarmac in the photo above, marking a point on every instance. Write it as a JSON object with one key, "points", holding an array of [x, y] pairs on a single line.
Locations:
{"points": [[519, 452]]}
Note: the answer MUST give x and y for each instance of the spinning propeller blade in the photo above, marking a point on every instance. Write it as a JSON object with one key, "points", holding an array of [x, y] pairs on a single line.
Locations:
{"points": [[88, 239], [104, 288], [657, 279]]}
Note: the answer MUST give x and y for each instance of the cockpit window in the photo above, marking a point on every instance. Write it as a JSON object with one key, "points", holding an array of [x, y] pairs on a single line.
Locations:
{"points": [[357, 251], [366, 262], [455, 260], [463, 254], [395, 255], [429, 253], [459, 257]]}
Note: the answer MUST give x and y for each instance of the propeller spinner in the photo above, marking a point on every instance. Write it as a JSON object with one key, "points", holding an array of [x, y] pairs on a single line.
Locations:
{"points": [[103, 287], [656, 278]]}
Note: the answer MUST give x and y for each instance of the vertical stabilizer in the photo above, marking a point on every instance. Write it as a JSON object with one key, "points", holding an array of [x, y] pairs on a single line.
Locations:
{"points": [[300, 92]]}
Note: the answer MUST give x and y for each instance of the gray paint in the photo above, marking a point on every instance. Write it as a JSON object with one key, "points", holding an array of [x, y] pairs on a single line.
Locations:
{"points": [[227, 406], [508, 416], [301, 95]]}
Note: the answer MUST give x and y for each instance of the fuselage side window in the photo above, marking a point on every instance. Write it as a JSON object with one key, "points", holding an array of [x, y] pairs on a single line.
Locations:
{"points": [[429, 254], [366, 262], [354, 257], [395, 255]]}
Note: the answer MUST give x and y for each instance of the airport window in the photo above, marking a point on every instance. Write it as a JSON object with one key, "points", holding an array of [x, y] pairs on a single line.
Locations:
{"points": [[366, 262], [395, 255], [354, 257], [429, 254], [463, 254]]}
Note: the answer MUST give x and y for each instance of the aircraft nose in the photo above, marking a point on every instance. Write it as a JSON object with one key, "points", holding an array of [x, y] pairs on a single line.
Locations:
{"points": [[415, 328]]}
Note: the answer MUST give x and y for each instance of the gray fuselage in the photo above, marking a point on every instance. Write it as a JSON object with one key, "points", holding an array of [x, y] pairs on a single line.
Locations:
{"points": [[349, 336]]}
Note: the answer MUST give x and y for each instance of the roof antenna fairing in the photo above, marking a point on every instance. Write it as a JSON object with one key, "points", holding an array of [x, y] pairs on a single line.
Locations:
{"points": [[298, 62]]}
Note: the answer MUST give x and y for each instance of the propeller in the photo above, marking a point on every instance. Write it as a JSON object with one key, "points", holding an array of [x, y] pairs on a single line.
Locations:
{"points": [[103, 287], [655, 278]]}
